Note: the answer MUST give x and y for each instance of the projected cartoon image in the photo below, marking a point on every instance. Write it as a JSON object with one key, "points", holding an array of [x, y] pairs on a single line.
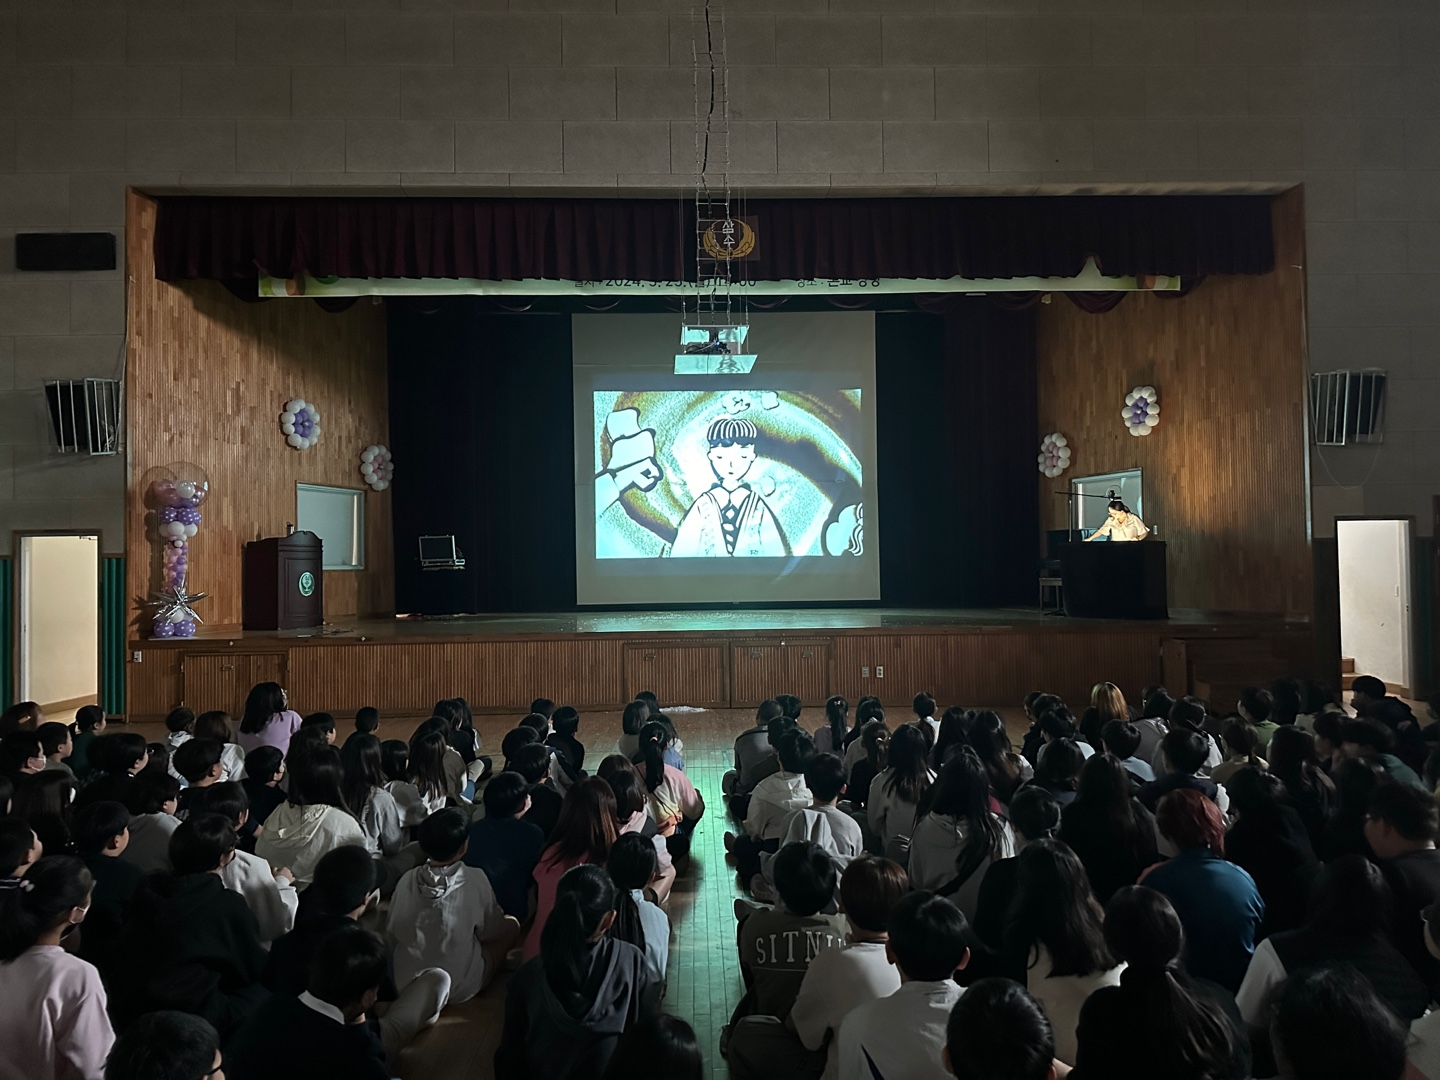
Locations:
{"points": [[727, 474]]}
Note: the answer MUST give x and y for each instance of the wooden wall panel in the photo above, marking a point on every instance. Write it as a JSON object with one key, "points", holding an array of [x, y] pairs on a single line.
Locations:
{"points": [[206, 377], [697, 675], [1225, 474], [761, 669]]}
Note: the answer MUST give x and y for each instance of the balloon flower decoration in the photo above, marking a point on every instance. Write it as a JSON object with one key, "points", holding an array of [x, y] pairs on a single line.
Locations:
{"points": [[1142, 410], [176, 493], [1054, 455], [300, 424], [376, 466]]}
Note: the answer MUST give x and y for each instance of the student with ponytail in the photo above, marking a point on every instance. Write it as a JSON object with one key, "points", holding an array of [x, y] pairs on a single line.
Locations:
{"points": [[566, 1008], [674, 803], [830, 739], [1158, 1021], [54, 1024], [633, 866]]}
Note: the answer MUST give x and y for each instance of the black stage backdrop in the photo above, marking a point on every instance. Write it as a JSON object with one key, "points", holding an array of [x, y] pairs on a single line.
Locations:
{"points": [[480, 423]]}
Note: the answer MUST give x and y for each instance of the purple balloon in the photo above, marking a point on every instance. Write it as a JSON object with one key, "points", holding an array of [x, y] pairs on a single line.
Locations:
{"points": [[163, 629], [185, 629]]}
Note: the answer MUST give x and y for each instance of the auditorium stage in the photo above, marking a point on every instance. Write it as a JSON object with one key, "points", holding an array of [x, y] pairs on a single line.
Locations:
{"points": [[711, 659]]}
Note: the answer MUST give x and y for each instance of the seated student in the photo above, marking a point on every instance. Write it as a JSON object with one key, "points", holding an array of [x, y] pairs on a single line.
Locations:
{"points": [[100, 833], [924, 709], [89, 725], [959, 836], [312, 820], [544, 708], [166, 1045], [153, 799], [1218, 903], [632, 866], [367, 720], [20, 849], [1154, 723], [842, 977], [635, 716], [674, 748], [1328, 1023], [533, 763], [189, 943], [377, 811], [179, 729], [198, 763], [264, 771], [674, 803], [1181, 763], [44, 800], [1005, 769], [1190, 714], [1058, 723], [444, 914], [514, 741], [54, 1025], [777, 944], [504, 847], [895, 795], [902, 1037], [822, 823], [1372, 741], [1108, 828], [558, 1022], [322, 1033], [774, 799], [1401, 828], [270, 893], [1034, 815], [343, 889], [585, 833], [324, 722], [1242, 746], [395, 762], [216, 725], [1158, 1022], [997, 1031], [830, 739], [115, 759], [1058, 770], [632, 815], [57, 744], [754, 757], [874, 743], [1256, 707], [1268, 839], [1122, 739], [436, 769], [569, 751]]}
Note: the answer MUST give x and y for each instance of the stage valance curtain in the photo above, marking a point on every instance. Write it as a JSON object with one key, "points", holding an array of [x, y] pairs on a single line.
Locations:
{"points": [[232, 238]]}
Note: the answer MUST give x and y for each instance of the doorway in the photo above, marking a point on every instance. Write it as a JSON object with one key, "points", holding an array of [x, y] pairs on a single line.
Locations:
{"points": [[57, 613], [1375, 588]]}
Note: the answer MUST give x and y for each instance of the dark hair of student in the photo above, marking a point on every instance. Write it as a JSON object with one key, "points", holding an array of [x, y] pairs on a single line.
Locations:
{"points": [[1121, 738], [633, 862], [865, 711], [531, 762], [394, 759], [87, 717], [583, 897], [537, 722], [586, 825], [150, 792], [1188, 713], [52, 735], [1256, 796], [426, 769], [1191, 821], [1355, 781], [1351, 903], [962, 792], [1241, 739], [804, 877], [923, 706], [1370, 734], [195, 758], [164, 1045], [954, 731], [1034, 813], [997, 1031], [876, 740], [96, 825], [986, 735], [364, 770], [634, 717], [1258, 703], [344, 879], [17, 748], [17, 839], [837, 711], [629, 794], [1329, 1024], [319, 780], [1294, 762], [302, 743], [1054, 907], [1409, 812], [1185, 750], [1287, 696], [1059, 723], [929, 937], [227, 798], [611, 764], [657, 1045], [1329, 726], [45, 794], [1318, 697], [323, 720], [262, 763], [825, 777], [1157, 705], [1369, 686], [265, 700], [791, 704], [870, 888], [1104, 802], [200, 843], [505, 795], [795, 750], [116, 754], [516, 740], [1059, 766], [566, 720], [159, 760], [349, 963], [1143, 931], [22, 716], [367, 719], [654, 738], [214, 725], [648, 696], [443, 833], [909, 770]]}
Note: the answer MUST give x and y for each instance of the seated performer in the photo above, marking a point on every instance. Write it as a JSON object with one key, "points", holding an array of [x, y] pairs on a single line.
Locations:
{"points": [[1120, 525]]}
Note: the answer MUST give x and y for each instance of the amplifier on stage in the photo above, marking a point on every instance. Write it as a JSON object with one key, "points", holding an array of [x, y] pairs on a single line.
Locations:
{"points": [[284, 583]]}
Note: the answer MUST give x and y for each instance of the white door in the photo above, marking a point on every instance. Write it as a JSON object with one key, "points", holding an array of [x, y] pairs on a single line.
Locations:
{"points": [[58, 603], [1375, 631]]}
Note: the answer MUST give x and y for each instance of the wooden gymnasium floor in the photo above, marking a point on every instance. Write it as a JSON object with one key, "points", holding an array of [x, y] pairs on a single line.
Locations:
{"points": [[704, 975]]}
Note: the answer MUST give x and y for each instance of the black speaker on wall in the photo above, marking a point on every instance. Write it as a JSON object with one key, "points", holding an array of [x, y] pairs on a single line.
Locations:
{"points": [[65, 251]]}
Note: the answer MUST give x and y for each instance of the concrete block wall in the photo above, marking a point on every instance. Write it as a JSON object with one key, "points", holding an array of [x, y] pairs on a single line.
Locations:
{"points": [[828, 96]]}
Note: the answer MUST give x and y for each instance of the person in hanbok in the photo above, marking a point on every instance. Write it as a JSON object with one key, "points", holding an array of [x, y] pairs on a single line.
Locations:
{"points": [[730, 518]]}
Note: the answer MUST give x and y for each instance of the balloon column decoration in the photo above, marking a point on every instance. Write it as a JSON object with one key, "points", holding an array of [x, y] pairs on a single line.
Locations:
{"points": [[176, 493], [300, 424], [1142, 410], [376, 466], [1054, 457]]}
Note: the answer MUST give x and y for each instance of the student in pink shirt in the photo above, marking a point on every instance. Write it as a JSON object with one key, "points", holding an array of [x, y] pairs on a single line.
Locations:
{"points": [[585, 833], [54, 1025]]}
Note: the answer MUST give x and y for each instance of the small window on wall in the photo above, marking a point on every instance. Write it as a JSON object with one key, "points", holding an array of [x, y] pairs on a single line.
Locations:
{"points": [[337, 516], [1090, 512]]}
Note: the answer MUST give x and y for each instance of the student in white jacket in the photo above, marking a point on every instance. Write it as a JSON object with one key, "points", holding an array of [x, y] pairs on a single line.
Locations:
{"points": [[957, 840], [771, 803], [444, 914], [312, 821], [895, 794], [821, 823], [270, 893]]}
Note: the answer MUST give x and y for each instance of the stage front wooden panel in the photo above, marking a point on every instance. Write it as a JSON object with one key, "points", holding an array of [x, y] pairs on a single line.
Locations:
{"points": [[1225, 475], [985, 666]]}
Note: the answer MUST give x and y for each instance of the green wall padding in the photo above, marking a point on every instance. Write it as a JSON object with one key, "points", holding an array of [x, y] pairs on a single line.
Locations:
{"points": [[112, 634]]}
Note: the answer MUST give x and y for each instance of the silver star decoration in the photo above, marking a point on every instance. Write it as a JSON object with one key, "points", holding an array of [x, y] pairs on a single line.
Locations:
{"points": [[168, 601]]}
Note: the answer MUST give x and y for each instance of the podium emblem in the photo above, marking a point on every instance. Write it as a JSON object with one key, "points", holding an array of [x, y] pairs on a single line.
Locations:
{"points": [[307, 584]]}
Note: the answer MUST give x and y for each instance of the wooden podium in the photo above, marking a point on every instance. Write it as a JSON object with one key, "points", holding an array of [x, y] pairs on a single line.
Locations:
{"points": [[284, 583]]}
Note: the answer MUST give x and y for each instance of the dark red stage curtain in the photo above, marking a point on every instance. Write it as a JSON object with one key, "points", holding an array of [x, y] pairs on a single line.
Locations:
{"points": [[231, 238]]}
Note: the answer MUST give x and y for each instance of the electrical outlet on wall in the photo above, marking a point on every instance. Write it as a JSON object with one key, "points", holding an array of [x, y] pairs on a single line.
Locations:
{"points": [[880, 672], [864, 673], [136, 656]]}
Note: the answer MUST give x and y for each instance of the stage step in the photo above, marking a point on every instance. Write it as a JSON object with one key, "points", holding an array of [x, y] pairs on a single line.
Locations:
{"points": [[1347, 665]]}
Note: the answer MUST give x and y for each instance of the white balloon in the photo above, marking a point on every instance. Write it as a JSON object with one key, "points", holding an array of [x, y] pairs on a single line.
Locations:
{"points": [[177, 616], [368, 455], [287, 429], [1141, 430], [287, 417], [382, 485], [190, 531], [1061, 441], [185, 489], [1064, 453], [295, 440], [1152, 420], [367, 469]]}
